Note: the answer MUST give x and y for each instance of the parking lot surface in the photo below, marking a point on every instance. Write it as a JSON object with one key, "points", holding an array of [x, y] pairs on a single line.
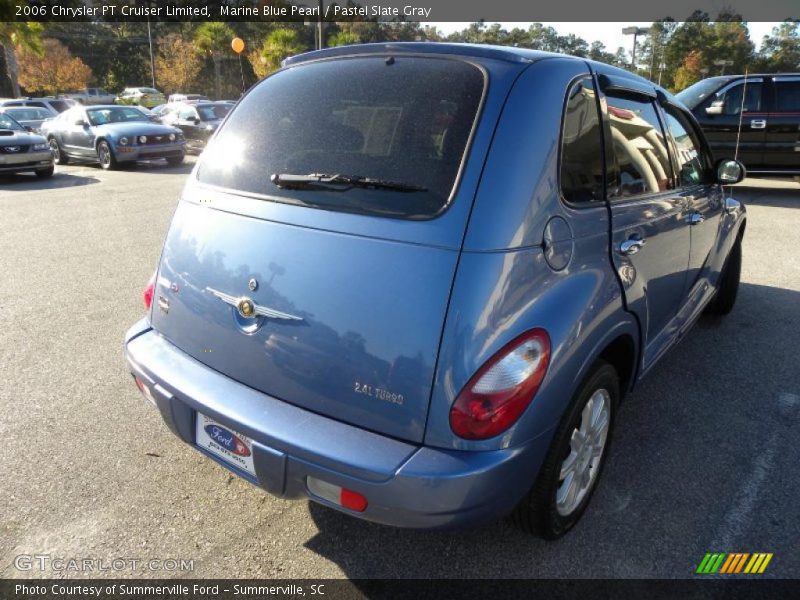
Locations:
{"points": [[705, 456]]}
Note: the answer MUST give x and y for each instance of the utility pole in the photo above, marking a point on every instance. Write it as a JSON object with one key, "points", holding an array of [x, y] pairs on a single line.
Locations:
{"points": [[152, 61], [319, 26], [634, 31]]}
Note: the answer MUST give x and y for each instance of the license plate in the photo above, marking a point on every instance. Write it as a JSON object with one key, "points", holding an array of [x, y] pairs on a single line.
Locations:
{"points": [[232, 447]]}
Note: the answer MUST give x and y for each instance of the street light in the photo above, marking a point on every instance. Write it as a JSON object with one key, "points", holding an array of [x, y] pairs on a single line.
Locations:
{"points": [[634, 31], [723, 64]]}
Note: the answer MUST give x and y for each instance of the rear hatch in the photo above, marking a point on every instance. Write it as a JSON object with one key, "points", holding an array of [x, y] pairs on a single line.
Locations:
{"points": [[295, 263]]}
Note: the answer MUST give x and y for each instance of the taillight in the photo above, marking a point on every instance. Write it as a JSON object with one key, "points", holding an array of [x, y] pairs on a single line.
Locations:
{"points": [[496, 396], [149, 290]]}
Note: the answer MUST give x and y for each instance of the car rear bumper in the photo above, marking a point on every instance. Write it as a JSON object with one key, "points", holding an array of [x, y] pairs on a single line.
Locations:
{"points": [[26, 161], [406, 485]]}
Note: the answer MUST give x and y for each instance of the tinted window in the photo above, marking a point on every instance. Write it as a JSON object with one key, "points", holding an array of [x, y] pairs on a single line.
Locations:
{"points": [[731, 99], [787, 96], [213, 112], [581, 149], [640, 157], [59, 105], [402, 119], [692, 163]]}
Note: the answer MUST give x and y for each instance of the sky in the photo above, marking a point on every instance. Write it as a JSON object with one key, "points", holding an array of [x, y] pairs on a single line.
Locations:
{"points": [[608, 33]]}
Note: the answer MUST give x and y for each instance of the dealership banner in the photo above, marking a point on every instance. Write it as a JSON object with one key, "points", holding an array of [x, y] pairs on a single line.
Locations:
{"points": [[393, 10]]}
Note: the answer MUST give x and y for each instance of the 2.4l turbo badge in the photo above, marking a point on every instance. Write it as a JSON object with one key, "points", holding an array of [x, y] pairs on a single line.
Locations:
{"points": [[379, 393]]}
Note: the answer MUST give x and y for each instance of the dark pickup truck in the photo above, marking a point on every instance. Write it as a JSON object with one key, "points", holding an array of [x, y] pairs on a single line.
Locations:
{"points": [[768, 108]]}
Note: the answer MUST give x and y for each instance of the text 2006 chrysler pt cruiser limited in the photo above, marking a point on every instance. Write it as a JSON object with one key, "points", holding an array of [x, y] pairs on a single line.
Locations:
{"points": [[413, 281]]}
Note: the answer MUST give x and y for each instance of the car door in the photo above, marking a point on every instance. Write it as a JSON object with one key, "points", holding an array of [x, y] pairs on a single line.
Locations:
{"points": [[77, 135], [189, 122], [782, 124], [649, 233], [695, 180], [721, 114]]}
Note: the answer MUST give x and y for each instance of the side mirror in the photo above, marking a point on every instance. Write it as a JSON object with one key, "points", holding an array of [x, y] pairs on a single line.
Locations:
{"points": [[730, 172], [714, 109], [81, 123], [196, 121]]}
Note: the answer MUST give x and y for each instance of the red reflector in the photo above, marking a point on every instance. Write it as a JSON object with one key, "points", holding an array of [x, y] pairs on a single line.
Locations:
{"points": [[353, 500], [149, 290]]}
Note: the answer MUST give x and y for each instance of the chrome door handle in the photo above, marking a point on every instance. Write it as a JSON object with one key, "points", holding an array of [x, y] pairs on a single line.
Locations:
{"points": [[758, 123], [695, 218], [632, 245]]}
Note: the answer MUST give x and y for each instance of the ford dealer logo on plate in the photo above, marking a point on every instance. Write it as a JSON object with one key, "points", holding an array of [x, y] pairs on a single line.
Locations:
{"points": [[227, 440], [232, 448]]}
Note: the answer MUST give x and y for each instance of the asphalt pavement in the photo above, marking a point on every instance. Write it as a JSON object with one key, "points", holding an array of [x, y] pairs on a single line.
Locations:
{"points": [[706, 455]]}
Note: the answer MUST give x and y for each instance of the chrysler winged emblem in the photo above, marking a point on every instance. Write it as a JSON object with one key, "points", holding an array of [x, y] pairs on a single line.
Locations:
{"points": [[249, 309]]}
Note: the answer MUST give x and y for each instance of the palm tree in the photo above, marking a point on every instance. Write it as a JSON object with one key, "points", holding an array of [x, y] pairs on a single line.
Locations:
{"points": [[14, 35], [279, 44], [214, 38]]}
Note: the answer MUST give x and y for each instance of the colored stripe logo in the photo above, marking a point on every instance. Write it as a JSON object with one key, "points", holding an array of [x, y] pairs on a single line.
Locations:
{"points": [[732, 563]]}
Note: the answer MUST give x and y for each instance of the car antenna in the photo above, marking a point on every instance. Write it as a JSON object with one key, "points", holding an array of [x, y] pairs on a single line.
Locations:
{"points": [[741, 114]]}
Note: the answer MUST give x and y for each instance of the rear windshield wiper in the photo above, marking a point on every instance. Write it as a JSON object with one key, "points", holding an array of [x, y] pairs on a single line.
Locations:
{"points": [[338, 183]]}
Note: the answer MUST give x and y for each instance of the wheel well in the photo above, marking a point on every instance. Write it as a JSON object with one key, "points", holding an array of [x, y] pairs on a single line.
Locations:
{"points": [[621, 354], [741, 230]]}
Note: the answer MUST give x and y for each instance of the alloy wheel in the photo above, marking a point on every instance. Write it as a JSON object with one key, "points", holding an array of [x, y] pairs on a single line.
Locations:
{"points": [[587, 444]]}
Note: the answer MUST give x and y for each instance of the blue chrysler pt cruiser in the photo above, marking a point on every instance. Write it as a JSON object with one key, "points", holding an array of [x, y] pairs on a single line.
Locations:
{"points": [[413, 282]]}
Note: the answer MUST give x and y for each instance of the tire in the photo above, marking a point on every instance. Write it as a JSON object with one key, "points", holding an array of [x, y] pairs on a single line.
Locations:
{"points": [[58, 153], [548, 510], [43, 173], [174, 161], [105, 156], [728, 287]]}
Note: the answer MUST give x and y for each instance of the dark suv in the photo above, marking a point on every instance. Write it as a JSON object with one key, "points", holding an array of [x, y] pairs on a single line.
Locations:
{"points": [[768, 107]]}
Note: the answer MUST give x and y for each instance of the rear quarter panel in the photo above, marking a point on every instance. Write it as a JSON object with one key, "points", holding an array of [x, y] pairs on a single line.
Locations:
{"points": [[504, 286]]}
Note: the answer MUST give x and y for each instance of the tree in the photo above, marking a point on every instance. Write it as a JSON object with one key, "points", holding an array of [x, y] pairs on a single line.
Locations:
{"points": [[690, 71], [56, 70], [178, 63], [279, 44], [14, 35], [781, 50], [343, 38], [214, 38]]}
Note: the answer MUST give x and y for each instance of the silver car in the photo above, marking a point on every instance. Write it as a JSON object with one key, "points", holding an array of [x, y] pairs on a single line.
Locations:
{"points": [[22, 151], [28, 116]]}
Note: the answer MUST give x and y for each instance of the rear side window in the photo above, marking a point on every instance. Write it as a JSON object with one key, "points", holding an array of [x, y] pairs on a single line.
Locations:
{"points": [[692, 164], [640, 156], [404, 120], [787, 96], [581, 146]]}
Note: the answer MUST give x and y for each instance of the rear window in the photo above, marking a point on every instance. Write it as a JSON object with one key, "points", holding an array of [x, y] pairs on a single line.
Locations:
{"points": [[402, 120]]}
